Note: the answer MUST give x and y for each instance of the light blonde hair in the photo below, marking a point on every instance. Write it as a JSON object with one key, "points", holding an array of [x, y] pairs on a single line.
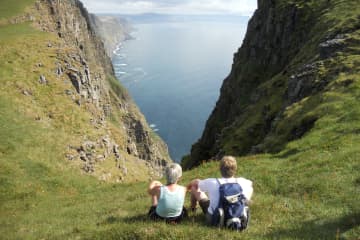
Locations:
{"points": [[173, 172], [228, 166]]}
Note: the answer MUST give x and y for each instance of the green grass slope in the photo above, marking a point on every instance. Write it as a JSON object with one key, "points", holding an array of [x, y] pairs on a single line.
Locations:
{"points": [[308, 195], [9, 8], [299, 197]]}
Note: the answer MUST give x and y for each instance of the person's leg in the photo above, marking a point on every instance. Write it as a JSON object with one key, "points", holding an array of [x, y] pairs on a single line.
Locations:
{"points": [[198, 196], [154, 192], [204, 202], [152, 211]]}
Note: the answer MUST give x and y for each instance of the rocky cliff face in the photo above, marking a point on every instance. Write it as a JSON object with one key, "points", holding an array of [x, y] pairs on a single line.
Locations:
{"points": [[293, 51], [120, 131], [112, 31]]}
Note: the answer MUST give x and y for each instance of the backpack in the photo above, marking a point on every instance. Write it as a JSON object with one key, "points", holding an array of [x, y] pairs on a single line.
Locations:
{"points": [[232, 211]]}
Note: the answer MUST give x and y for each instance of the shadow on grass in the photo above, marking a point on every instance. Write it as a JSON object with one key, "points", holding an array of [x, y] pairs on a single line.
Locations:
{"points": [[318, 229], [286, 154], [132, 219], [143, 218], [141, 227]]}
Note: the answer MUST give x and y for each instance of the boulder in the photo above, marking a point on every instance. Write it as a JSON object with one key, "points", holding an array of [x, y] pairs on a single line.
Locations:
{"points": [[330, 47], [42, 79]]}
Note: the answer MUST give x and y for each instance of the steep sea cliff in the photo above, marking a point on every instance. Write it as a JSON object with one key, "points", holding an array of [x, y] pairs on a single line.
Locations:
{"points": [[67, 59], [294, 55]]}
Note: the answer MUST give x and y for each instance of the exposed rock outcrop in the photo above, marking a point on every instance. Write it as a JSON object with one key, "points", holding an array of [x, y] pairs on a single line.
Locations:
{"points": [[287, 56], [112, 31], [82, 62]]}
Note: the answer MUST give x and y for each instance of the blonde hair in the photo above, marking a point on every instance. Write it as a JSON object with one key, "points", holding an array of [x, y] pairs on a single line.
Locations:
{"points": [[173, 172], [228, 166]]}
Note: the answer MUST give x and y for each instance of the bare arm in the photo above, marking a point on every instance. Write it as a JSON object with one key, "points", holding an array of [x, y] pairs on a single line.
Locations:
{"points": [[154, 188], [193, 185]]}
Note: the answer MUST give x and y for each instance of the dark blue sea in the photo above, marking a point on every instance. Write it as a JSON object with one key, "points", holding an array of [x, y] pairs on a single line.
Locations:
{"points": [[174, 71]]}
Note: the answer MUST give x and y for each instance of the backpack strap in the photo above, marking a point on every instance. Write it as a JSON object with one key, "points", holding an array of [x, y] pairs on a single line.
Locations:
{"points": [[217, 217], [220, 193], [218, 181]]}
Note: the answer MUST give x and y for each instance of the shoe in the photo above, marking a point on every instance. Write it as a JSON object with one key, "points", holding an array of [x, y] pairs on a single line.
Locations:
{"points": [[221, 217], [245, 217]]}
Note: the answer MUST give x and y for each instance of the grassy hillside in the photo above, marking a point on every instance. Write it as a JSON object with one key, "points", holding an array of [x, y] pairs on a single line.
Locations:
{"points": [[9, 8], [35, 66], [25, 58], [306, 195], [308, 190]]}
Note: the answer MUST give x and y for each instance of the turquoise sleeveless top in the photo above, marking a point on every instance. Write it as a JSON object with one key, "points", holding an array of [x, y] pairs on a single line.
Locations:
{"points": [[170, 204]]}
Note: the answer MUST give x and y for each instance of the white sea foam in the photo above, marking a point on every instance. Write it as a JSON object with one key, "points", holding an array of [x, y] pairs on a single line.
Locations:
{"points": [[119, 64], [120, 72], [156, 129], [118, 47], [118, 54], [152, 125], [116, 50]]}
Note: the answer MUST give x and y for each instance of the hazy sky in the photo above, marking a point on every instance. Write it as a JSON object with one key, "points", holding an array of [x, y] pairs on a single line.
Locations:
{"points": [[241, 7]]}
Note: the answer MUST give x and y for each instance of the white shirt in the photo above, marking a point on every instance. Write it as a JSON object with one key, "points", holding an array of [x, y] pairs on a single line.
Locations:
{"points": [[211, 187]]}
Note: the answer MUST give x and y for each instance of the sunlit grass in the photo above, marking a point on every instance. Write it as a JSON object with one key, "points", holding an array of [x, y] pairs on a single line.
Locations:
{"points": [[308, 190], [11, 8]]}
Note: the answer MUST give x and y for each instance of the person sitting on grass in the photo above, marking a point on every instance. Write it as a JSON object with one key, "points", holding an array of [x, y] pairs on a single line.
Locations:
{"points": [[168, 200], [209, 202]]}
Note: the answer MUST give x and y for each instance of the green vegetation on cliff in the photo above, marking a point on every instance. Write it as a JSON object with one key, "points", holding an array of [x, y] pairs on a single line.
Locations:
{"points": [[297, 70], [307, 188], [55, 73]]}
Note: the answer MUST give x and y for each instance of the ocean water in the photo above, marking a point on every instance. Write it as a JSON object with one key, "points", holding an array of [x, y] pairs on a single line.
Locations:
{"points": [[174, 71]]}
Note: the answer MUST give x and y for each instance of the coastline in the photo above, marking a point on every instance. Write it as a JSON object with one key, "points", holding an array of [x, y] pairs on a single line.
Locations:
{"points": [[113, 31]]}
